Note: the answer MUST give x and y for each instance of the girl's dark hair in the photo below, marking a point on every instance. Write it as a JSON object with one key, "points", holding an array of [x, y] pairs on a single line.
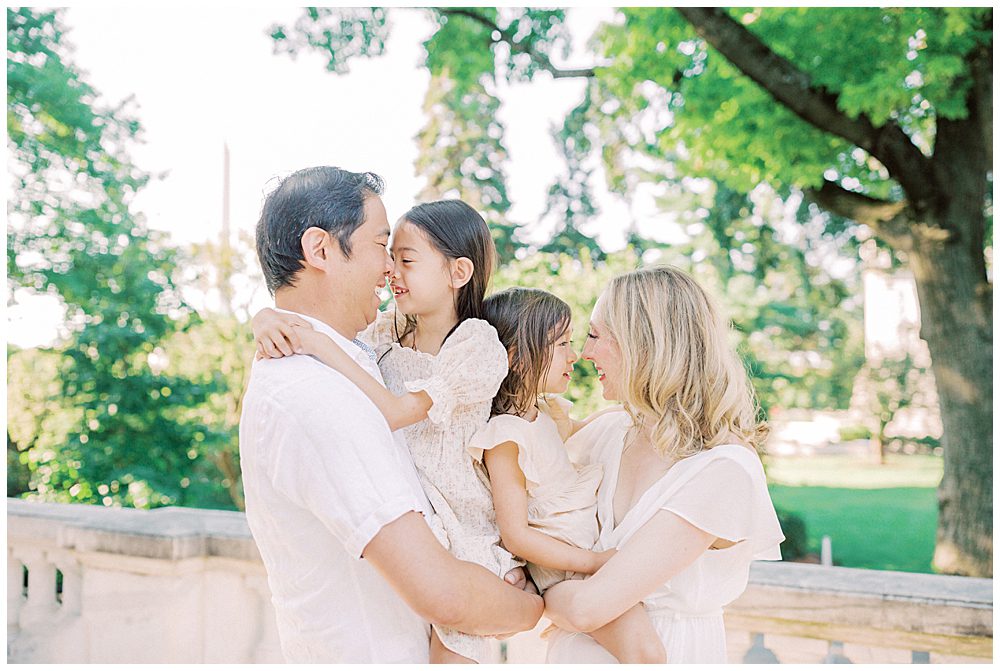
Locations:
{"points": [[528, 322], [456, 230]]}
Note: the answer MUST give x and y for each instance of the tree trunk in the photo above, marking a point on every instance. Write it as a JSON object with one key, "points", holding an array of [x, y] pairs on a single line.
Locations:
{"points": [[957, 325]]}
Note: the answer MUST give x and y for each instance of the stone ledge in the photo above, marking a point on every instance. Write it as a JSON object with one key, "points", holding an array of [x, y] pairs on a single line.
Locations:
{"points": [[925, 588], [163, 533]]}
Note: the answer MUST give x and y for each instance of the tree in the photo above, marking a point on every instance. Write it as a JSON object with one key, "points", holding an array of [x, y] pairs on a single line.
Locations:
{"points": [[882, 116], [71, 233], [896, 136], [887, 387]]}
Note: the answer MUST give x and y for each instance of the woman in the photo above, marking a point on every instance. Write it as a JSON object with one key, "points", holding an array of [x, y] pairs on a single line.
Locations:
{"points": [[684, 499]]}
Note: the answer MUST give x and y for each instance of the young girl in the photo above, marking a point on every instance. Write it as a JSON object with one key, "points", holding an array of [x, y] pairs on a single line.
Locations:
{"points": [[545, 508], [442, 365]]}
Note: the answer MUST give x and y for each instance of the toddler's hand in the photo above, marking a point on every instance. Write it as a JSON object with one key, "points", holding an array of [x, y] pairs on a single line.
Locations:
{"points": [[603, 557]]}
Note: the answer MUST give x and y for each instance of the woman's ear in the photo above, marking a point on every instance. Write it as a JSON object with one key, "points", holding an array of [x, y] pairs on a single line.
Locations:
{"points": [[315, 247], [461, 272]]}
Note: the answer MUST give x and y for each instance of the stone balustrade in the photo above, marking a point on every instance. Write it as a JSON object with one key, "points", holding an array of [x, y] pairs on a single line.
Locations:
{"points": [[179, 585]]}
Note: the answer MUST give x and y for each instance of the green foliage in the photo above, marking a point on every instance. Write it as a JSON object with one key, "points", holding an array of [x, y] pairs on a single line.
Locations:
{"points": [[902, 63], [215, 354], [795, 545], [115, 434], [341, 34], [461, 154], [849, 433]]}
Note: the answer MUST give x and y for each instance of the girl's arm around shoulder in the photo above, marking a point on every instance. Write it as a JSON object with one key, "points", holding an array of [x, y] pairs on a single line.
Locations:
{"points": [[510, 500], [399, 411], [275, 333]]}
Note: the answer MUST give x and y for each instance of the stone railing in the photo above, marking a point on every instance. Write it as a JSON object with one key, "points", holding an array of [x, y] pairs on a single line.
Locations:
{"points": [[177, 585]]}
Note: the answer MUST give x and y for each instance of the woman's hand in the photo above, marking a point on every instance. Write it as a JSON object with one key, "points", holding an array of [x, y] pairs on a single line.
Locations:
{"points": [[275, 333], [663, 547]]}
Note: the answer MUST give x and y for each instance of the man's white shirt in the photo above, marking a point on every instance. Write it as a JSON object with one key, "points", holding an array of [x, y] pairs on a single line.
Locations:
{"points": [[322, 474]]}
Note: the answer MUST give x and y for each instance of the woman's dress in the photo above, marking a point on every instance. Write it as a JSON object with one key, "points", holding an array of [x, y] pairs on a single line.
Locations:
{"points": [[721, 490]]}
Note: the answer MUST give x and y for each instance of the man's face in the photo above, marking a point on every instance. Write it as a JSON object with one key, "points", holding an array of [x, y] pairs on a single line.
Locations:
{"points": [[365, 272]]}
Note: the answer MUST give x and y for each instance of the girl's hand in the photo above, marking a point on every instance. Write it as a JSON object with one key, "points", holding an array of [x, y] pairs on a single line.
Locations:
{"points": [[275, 335], [311, 341]]}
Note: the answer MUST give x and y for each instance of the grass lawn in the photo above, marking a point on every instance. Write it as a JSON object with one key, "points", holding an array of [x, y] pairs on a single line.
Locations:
{"points": [[878, 517]]}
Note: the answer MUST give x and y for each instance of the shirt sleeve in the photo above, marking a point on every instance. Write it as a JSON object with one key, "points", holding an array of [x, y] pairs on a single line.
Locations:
{"points": [[469, 369], [338, 460], [729, 499]]}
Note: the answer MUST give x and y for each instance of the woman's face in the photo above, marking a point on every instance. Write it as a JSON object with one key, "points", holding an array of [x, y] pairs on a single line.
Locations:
{"points": [[602, 349]]}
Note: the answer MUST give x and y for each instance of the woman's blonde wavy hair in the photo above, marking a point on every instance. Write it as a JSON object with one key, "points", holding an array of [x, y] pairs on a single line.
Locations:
{"points": [[680, 369]]}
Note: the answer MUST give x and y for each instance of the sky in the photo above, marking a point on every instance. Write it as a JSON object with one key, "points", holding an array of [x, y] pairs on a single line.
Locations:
{"points": [[206, 76]]}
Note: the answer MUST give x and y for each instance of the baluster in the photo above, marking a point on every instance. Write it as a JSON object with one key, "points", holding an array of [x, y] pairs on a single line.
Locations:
{"points": [[15, 588], [919, 657], [72, 581], [759, 653], [835, 654], [41, 603]]}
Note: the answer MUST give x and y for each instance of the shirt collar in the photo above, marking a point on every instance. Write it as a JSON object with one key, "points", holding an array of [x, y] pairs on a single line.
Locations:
{"points": [[353, 350]]}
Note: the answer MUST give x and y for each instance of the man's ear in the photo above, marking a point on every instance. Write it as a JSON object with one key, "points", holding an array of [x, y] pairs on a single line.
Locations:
{"points": [[461, 272], [316, 247]]}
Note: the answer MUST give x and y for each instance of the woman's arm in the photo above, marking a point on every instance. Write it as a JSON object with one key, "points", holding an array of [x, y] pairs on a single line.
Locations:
{"points": [[580, 423], [399, 411], [510, 500], [664, 546]]}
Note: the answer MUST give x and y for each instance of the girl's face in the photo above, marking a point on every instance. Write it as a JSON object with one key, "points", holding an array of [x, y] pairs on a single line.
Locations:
{"points": [[555, 380], [602, 349], [421, 279]]}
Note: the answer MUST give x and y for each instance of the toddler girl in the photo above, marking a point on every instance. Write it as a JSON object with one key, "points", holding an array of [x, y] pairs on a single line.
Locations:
{"points": [[546, 509]]}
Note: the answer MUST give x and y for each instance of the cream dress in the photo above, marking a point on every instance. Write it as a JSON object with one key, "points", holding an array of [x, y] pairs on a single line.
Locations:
{"points": [[562, 501], [461, 379], [722, 491]]}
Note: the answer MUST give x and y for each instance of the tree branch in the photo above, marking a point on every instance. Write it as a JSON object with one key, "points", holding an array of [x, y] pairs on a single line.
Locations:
{"points": [[894, 222], [469, 14], [859, 207], [507, 36], [815, 105]]}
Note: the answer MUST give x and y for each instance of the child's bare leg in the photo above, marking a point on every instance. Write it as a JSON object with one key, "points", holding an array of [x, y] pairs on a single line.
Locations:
{"points": [[631, 638], [442, 655]]}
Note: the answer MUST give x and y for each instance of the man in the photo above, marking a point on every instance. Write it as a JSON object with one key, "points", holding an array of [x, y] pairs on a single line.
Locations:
{"points": [[332, 496]]}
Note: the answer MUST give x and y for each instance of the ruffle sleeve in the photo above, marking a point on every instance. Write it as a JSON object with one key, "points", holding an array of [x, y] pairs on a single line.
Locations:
{"points": [[384, 330], [469, 369], [503, 429], [726, 495]]}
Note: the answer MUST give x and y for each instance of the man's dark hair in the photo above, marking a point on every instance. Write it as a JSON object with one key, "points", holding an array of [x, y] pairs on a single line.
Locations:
{"points": [[325, 197]]}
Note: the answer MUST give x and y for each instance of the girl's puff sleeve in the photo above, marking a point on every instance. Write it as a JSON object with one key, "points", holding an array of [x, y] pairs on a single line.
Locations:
{"points": [[469, 369]]}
